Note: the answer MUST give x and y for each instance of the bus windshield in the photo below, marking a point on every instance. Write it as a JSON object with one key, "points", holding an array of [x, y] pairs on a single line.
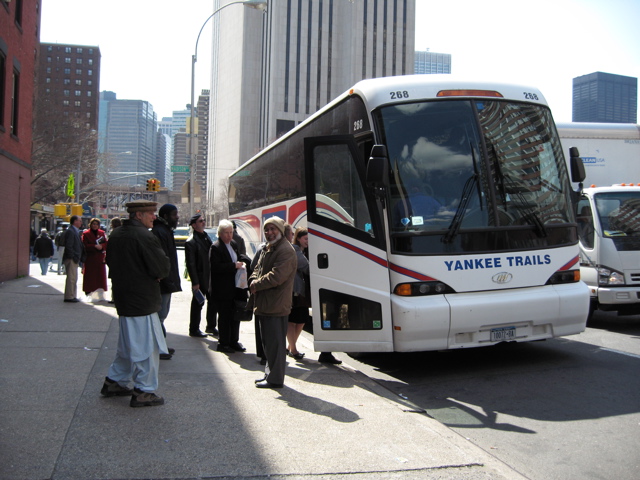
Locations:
{"points": [[474, 175]]}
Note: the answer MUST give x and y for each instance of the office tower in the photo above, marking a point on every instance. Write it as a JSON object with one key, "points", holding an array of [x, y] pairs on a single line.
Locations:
{"points": [[162, 158], [19, 39], [605, 98], [130, 141], [69, 80], [432, 62], [272, 70]]}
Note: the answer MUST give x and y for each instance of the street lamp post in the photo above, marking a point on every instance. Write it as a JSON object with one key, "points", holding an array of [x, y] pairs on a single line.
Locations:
{"points": [[257, 4]]}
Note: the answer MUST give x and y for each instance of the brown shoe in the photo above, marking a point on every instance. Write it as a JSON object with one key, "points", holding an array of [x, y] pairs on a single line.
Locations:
{"points": [[145, 399], [114, 389]]}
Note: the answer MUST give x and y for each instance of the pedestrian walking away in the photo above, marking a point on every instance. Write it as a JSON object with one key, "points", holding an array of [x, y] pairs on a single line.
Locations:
{"points": [[271, 286], [73, 257], [43, 250], [196, 258], [137, 263], [163, 227]]}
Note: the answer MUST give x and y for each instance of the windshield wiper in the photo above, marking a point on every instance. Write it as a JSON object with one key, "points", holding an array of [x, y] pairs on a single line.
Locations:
{"points": [[462, 208]]}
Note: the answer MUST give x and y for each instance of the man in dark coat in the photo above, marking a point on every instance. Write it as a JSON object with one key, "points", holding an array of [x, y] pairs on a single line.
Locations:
{"points": [[163, 227], [137, 263], [73, 256], [196, 253]]}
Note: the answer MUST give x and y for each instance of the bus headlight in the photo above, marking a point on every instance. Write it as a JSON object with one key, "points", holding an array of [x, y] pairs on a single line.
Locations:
{"points": [[569, 276], [419, 289], [607, 276]]}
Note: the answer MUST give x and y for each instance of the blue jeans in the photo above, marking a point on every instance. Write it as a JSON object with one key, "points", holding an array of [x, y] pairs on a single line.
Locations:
{"points": [[44, 264]]}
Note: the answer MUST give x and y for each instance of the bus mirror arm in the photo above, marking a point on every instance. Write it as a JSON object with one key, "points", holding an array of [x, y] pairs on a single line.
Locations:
{"points": [[378, 170], [577, 166]]}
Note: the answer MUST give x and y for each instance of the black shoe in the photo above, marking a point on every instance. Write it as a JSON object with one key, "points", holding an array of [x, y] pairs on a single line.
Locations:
{"points": [[297, 355], [212, 331], [261, 379], [198, 334], [265, 384], [165, 356], [238, 347], [329, 358], [145, 399], [225, 349], [171, 350], [111, 388], [72, 300]]}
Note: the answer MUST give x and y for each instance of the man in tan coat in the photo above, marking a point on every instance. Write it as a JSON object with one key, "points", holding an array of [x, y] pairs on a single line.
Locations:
{"points": [[271, 285]]}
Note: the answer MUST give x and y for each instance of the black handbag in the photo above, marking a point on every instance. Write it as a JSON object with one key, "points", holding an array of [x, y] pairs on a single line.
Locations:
{"points": [[242, 311]]}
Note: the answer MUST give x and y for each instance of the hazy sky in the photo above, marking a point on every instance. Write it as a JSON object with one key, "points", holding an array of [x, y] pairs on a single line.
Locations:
{"points": [[146, 48]]}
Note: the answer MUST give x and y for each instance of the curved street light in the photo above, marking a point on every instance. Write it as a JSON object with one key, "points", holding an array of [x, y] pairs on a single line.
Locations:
{"points": [[257, 4]]}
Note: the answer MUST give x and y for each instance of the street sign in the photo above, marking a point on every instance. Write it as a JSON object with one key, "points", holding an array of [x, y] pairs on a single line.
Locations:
{"points": [[180, 168]]}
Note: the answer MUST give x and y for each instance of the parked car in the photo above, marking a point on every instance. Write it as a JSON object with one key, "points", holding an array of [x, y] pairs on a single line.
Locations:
{"points": [[213, 233], [180, 236]]}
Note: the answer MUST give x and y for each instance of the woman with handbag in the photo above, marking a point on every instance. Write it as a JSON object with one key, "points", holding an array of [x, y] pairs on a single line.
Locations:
{"points": [[225, 261]]}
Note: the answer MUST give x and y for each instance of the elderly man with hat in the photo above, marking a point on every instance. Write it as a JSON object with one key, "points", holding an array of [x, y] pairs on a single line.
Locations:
{"points": [[163, 227], [196, 259], [137, 263], [271, 285]]}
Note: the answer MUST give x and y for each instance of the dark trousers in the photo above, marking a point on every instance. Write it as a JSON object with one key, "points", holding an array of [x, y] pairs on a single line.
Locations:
{"points": [[274, 339], [228, 327], [195, 314], [258, 335]]}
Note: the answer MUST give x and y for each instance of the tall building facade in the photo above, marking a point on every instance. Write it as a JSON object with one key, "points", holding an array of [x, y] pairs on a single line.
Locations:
{"points": [[19, 40], [69, 80], [130, 141], [432, 62], [605, 98], [271, 71]]}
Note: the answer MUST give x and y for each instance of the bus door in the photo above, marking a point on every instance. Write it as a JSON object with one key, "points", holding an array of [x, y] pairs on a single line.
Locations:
{"points": [[350, 289]]}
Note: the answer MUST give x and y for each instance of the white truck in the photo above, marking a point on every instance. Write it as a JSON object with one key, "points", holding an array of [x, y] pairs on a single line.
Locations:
{"points": [[608, 212]]}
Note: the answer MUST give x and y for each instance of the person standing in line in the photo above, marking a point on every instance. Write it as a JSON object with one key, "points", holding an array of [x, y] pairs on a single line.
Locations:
{"points": [[94, 271], [43, 249], [59, 241], [163, 227], [225, 261], [115, 223], [196, 252], [137, 263], [299, 315], [271, 285], [258, 337], [242, 249], [73, 257]]}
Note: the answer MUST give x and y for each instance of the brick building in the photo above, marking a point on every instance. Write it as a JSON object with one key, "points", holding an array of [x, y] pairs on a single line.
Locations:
{"points": [[19, 40]]}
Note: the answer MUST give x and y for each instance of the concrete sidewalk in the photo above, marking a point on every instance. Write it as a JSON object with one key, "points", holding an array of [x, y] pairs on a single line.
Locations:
{"points": [[326, 423]]}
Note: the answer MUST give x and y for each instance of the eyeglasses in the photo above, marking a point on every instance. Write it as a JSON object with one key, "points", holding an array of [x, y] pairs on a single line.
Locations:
{"points": [[201, 221]]}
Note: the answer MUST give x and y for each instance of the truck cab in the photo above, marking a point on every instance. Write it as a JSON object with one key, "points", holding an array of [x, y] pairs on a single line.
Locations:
{"points": [[609, 231]]}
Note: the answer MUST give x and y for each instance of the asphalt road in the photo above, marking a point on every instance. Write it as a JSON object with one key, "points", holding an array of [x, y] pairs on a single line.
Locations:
{"points": [[560, 409]]}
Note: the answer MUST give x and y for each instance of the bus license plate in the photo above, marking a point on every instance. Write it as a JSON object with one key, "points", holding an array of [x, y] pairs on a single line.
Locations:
{"points": [[502, 334]]}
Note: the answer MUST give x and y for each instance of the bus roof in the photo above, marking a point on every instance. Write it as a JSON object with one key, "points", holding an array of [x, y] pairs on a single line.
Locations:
{"points": [[378, 92], [615, 131]]}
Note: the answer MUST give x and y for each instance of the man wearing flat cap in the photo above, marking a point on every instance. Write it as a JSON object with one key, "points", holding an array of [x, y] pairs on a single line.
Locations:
{"points": [[271, 285], [137, 263]]}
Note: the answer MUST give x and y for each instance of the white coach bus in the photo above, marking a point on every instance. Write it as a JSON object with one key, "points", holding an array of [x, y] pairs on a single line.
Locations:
{"points": [[439, 215]]}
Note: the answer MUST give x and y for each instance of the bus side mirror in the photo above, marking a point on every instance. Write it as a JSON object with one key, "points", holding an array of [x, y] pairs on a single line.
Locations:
{"points": [[378, 168], [577, 167]]}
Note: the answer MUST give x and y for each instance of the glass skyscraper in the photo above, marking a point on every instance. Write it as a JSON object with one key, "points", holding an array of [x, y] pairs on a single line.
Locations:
{"points": [[605, 98]]}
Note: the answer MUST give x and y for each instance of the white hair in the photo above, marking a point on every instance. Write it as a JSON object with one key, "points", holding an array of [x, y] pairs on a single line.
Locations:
{"points": [[224, 224]]}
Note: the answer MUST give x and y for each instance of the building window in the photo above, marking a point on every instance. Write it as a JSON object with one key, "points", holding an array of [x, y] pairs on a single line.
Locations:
{"points": [[67, 49], [77, 103], [15, 106], [78, 81], [65, 103], [67, 71], [88, 114], [48, 80], [48, 59], [67, 81], [78, 93], [91, 51], [91, 61], [78, 71], [88, 93], [79, 61], [50, 48], [67, 59], [48, 69], [89, 82], [88, 104], [78, 50], [66, 93]]}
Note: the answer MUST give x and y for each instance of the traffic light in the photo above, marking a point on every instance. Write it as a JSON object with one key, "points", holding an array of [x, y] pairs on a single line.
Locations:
{"points": [[150, 185], [156, 185]]}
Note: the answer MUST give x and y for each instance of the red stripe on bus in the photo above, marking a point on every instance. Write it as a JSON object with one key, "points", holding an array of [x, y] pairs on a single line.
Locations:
{"points": [[411, 273], [374, 258], [569, 264]]}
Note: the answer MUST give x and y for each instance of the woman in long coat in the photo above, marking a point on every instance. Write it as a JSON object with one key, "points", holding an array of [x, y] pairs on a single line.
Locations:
{"points": [[94, 240]]}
